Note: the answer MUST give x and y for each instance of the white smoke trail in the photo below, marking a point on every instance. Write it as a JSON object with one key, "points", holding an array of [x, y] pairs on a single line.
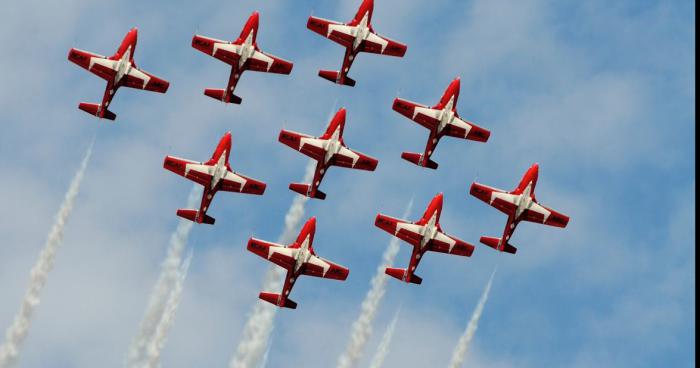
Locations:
{"points": [[383, 347], [463, 344], [362, 327], [263, 363], [156, 345], [256, 332], [169, 274], [17, 332], [251, 348]]}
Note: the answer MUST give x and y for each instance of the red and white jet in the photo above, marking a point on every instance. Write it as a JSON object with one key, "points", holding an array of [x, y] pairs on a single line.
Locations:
{"points": [[519, 205], [242, 54], [356, 36], [298, 258], [118, 70], [441, 119], [424, 235], [214, 175], [329, 150]]}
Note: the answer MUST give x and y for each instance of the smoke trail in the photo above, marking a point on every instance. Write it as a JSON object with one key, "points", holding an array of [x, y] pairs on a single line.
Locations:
{"points": [[383, 347], [156, 345], [169, 274], [362, 327], [263, 363], [463, 343], [257, 330], [17, 332]]}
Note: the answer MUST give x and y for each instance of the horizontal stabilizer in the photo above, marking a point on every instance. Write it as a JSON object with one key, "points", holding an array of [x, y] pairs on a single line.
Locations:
{"points": [[495, 243], [400, 273], [305, 189], [195, 216], [277, 300], [221, 95], [335, 77], [419, 160], [97, 110]]}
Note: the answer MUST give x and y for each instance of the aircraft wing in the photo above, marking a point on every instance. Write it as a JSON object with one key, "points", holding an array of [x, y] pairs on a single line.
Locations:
{"points": [[225, 51], [543, 215], [377, 44], [404, 230], [234, 182], [444, 243], [306, 144], [423, 115], [354, 160], [501, 200], [137, 78], [94, 63], [273, 252], [263, 62], [319, 267], [460, 128], [332, 30], [195, 171]]}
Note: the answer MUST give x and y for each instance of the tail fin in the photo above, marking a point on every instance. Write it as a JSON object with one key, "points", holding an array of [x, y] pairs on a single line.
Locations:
{"points": [[278, 300], [419, 160], [495, 243], [221, 95], [336, 77], [195, 216], [305, 189], [97, 110], [400, 273]]}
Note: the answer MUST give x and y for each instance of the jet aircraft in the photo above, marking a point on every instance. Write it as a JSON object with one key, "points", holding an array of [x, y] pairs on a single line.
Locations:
{"points": [[242, 54], [356, 36], [520, 205], [298, 258], [424, 235], [214, 175], [118, 70]]}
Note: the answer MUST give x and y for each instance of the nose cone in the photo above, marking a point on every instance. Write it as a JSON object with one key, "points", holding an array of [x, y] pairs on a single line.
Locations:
{"points": [[456, 83], [438, 199], [341, 113], [311, 225], [225, 141], [534, 172], [255, 19]]}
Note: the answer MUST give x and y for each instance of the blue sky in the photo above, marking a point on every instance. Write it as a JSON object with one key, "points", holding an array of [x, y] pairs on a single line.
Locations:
{"points": [[600, 94]]}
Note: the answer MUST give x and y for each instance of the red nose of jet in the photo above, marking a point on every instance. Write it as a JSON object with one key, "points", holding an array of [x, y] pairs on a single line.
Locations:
{"points": [[341, 113], [225, 141], [255, 19], [311, 225]]}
